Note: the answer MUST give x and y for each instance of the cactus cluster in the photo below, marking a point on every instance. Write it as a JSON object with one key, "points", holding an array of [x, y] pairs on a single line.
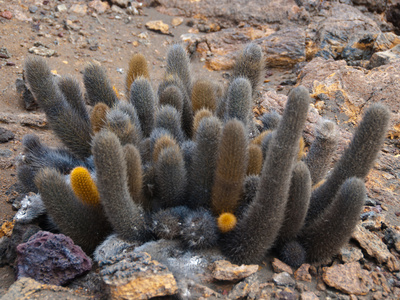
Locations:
{"points": [[189, 162]]}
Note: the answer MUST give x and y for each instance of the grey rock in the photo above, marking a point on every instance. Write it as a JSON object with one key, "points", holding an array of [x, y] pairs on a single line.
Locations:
{"points": [[8, 245], [5, 153], [26, 95], [112, 247], [284, 279], [384, 57], [6, 135], [378, 6], [32, 207], [342, 24], [134, 275], [32, 9], [4, 53]]}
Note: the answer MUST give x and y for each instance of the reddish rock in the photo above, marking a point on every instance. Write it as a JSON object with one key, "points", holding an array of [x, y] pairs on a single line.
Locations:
{"points": [[6, 14], [51, 259], [348, 278], [280, 266], [303, 273]]}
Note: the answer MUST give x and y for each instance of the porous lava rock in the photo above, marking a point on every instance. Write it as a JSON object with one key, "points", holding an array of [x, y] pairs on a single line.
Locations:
{"points": [[51, 259]]}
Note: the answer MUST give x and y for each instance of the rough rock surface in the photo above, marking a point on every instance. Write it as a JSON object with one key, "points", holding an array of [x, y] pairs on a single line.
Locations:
{"points": [[341, 23], [135, 276], [51, 259], [225, 270], [374, 246], [348, 278], [302, 273], [284, 48], [384, 57], [27, 288], [252, 12]]}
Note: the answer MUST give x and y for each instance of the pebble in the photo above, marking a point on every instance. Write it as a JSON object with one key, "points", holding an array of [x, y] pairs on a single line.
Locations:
{"points": [[224, 270], [280, 266], [158, 26], [6, 135], [61, 8], [4, 53], [6, 14], [283, 279], [33, 9]]}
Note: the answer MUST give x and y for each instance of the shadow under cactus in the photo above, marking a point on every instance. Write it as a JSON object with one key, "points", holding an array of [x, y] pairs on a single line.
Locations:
{"points": [[188, 163]]}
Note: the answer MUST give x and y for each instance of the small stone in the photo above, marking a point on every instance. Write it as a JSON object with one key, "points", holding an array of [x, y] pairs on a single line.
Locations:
{"points": [[201, 291], [5, 153], [99, 6], [348, 278], [134, 275], [244, 288], [4, 53], [283, 279], [280, 266], [308, 296], [302, 273], [287, 294], [6, 14], [176, 21], [61, 8], [133, 11], [158, 26], [121, 3], [79, 9], [224, 270], [350, 254], [42, 51], [6, 135], [117, 9], [375, 247], [51, 259]]}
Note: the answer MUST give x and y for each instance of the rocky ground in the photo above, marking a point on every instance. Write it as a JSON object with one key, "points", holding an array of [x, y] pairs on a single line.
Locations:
{"points": [[346, 53]]}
